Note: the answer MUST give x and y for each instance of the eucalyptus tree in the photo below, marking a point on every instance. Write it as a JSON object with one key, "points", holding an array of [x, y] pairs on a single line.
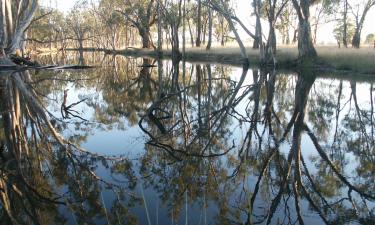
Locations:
{"points": [[221, 29], [345, 20], [222, 7], [324, 11], [273, 9], [15, 17], [258, 26], [359, 12], [48, 28], [112, 23], [344, 32], [199, 23], [370, 38], [286, 22], [172, 15], [142, 14], [80, 22], [306, 49]]}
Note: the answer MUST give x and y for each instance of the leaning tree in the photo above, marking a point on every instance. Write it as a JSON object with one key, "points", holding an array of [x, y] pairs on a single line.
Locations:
{"points": [[15, 17], [360, 20]]}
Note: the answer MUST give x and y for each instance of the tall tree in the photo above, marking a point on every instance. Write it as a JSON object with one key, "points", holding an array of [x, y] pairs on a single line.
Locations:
{"points": [[210, 27], [306, 48], [345, 24], [273, 10], [359, 20], [199, 24], [141, 15], [258, 25], [80, 22], [15, 17]]}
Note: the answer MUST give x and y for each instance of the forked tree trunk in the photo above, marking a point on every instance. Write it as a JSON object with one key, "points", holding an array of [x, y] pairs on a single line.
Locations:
{"points": [[11, 33], [306, 50]]}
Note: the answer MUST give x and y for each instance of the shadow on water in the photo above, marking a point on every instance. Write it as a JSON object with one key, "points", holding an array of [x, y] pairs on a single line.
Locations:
{"points": [[220, 145]]}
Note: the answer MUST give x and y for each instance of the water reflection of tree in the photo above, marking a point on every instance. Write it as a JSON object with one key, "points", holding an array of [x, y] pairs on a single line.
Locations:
{"points": [[284, 181], [42, 172], [194, 114]]}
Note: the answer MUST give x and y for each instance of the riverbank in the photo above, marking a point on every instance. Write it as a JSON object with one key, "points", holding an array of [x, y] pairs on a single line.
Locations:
{"points": [[348, 60]]}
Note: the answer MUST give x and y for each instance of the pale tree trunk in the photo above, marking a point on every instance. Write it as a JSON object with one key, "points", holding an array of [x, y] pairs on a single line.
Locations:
{"points": [[160, 34], [306, 50], [258, 32], [199, 24], [345, 24], [359, 24], [222, 39], [224, 10], [210, 25], [14, 24], [258, 25], [184, 30]]}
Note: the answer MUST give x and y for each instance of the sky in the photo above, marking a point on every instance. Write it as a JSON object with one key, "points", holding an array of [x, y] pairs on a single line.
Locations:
{"points": [[244, 9]]}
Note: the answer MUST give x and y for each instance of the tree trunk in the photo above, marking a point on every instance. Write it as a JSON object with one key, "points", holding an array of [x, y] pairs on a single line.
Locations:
{"points": [[345, 24], [271, 43], [356, 41], [209, 43], [199, 24], [258, 25], [306, 50], [222, 42], [11, 28], [145, 35], [305, 44], [359, 24], [160, 34], [232, 27]]}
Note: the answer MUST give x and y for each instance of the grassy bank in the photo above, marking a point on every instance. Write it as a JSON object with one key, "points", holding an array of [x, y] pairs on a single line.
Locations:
{"points": [[351, 60]]}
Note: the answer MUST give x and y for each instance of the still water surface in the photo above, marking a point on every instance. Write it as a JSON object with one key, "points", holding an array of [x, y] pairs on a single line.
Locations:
{"points": [[139, 141]]}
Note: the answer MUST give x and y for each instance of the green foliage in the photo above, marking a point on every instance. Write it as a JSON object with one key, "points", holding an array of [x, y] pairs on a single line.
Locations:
{"points": [[339, 31], [50, 23], [370, 38]]}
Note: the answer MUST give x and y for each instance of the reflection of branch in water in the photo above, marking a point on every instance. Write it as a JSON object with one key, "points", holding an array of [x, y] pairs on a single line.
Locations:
{"points": [[216, 120], [67, 111], [331, 164], [353, 86], [37, 161]]}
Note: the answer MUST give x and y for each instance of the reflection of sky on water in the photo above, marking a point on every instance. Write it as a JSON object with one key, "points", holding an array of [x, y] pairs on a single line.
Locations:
{"points": [[120, 138]]}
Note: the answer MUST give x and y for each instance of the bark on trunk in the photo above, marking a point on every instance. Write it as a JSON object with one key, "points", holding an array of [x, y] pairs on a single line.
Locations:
{"points": [[345, 24], [13, 25], [305, 44], [199, 24], [210, 26], [360, 20], [306, 50], [356, 41], [145, 35], [258, 25]]}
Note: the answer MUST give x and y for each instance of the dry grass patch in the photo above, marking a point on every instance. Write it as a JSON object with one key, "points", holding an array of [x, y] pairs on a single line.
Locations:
{"points": [[360, 60]]}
